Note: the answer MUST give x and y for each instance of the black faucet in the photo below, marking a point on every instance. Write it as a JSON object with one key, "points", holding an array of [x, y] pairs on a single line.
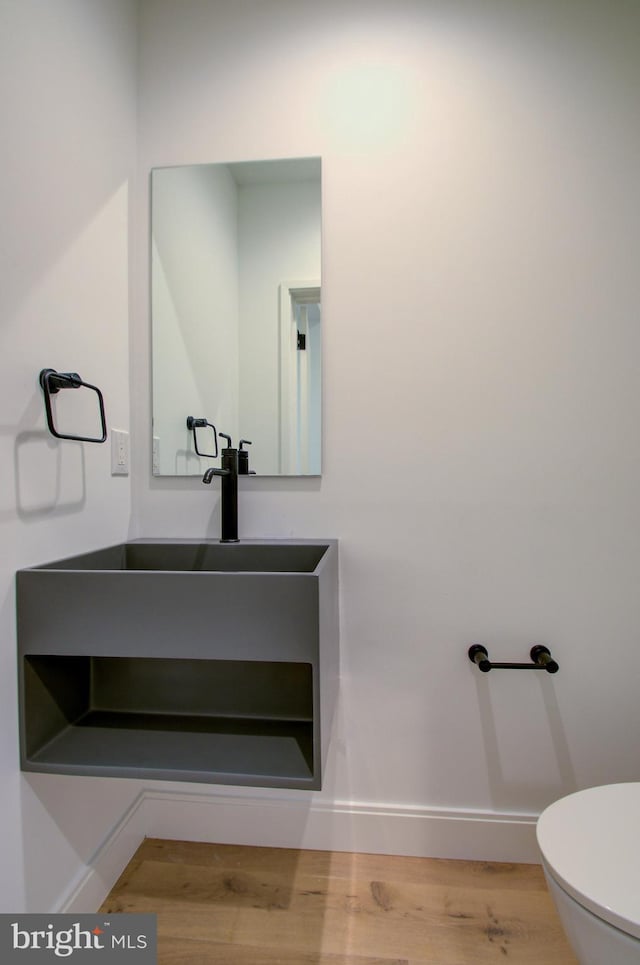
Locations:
{"points": [[229, 490]]}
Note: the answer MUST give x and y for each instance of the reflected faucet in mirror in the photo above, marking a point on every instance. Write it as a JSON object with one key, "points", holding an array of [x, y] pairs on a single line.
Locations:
{"points": [[243, 459]]}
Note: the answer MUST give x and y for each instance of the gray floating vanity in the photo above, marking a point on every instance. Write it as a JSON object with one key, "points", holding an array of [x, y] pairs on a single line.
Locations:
{"points": [[184, 660]]}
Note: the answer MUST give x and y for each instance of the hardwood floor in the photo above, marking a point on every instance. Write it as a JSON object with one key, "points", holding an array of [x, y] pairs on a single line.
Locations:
{"points": [[233, 905]]}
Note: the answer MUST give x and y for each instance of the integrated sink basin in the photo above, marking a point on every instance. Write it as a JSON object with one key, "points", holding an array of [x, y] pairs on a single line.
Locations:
{"points": [[178, 555], [181, 660]]}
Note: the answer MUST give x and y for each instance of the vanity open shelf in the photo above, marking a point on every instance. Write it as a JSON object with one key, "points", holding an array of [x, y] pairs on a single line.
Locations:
{"points": [[174, 660]]}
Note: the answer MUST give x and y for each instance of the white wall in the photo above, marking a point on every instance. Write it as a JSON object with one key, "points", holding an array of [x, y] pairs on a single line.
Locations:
{"points": [[481, 453], [67, 115]]}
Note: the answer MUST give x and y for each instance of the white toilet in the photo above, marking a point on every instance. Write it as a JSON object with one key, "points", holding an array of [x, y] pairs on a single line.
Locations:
{"points": [[590, 844]]}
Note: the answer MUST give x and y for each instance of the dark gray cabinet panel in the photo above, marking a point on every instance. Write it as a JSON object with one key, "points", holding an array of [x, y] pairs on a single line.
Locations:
{"points": [[216, 674]]}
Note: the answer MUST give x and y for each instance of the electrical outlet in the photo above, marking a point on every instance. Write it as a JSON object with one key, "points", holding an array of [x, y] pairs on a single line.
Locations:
{"points": [[119, 452], [155, 456]]}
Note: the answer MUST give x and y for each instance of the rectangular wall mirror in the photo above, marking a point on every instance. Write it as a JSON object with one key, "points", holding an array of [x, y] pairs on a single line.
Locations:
{"points": [[235, 313]]}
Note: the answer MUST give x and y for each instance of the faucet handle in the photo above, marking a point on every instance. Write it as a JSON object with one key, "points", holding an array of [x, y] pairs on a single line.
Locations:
{"points": [[228, 438]]}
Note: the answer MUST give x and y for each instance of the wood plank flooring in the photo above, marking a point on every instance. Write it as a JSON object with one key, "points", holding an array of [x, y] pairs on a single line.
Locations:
{"points": [[233, 905]]}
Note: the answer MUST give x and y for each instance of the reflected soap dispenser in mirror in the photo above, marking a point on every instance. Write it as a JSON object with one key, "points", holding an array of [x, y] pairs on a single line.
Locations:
{"points": [[236, 312], [243, 459]]}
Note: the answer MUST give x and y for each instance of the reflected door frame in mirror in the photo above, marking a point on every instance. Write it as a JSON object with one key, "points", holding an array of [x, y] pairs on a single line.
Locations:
{"points": [[300, 378]]}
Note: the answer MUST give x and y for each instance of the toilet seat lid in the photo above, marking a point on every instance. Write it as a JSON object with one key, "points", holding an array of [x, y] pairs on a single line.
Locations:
{"points": [[590, 842]]}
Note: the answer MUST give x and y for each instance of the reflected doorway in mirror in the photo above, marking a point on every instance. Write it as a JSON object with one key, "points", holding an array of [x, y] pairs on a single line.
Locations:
{"points": [[300, 378]]}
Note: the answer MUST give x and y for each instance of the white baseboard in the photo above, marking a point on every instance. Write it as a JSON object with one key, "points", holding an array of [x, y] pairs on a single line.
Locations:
{"points": [[298, 822], [92, 885]]}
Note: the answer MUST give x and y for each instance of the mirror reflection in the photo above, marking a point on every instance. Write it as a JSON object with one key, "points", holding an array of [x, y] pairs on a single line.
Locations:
{"points": [[235, 313]]}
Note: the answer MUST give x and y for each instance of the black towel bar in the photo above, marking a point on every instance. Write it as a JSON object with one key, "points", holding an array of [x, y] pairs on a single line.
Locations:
{"points": [[540, 656]]}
